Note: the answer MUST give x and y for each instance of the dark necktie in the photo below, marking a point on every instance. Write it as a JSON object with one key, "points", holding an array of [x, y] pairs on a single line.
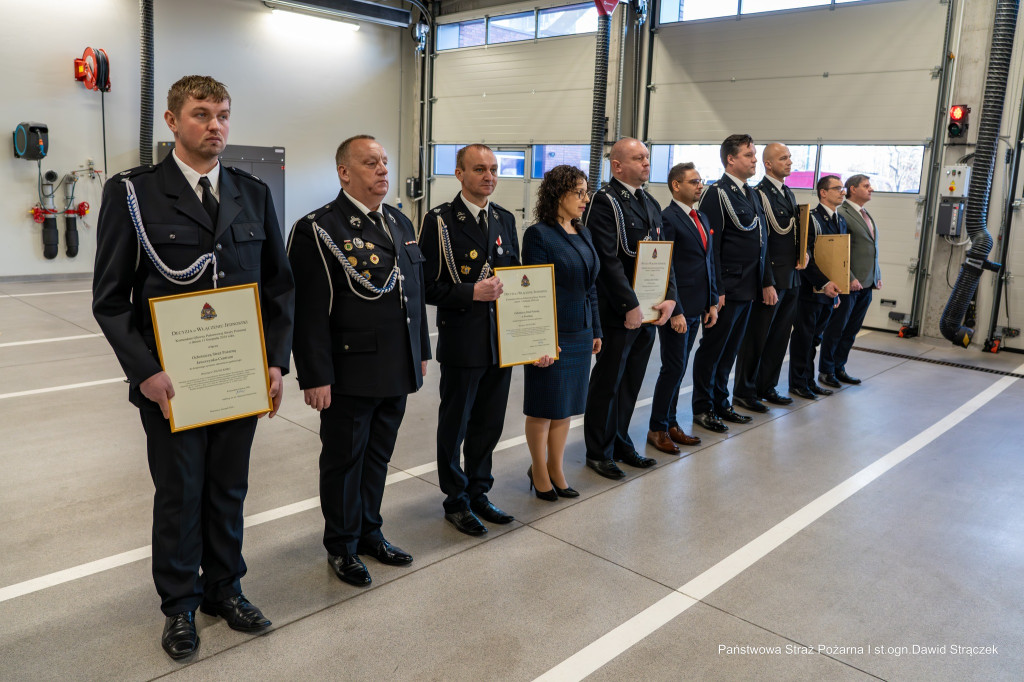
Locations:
{"points": [[209, 202], [482, 220], [640, 196], [378, 219]]}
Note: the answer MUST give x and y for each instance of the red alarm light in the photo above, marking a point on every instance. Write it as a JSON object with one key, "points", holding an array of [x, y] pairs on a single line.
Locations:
{"points": [[957, 112]]}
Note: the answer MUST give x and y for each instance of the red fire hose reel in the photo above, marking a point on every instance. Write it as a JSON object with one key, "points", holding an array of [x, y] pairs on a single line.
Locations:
{"points": [[93, 69]]}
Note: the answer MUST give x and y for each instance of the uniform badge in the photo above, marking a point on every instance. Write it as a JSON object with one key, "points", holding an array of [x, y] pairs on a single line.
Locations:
{"points": [[473, 254], [357, 241], [494, 215], [207, 313], [355, 221], [626, 194], [348, 245], [370, 246], [461, 216], [311, 216], [391, 218], [353, 261], [500, 250], [366, 274], [465, 269], [437, 210], [374, 258]]}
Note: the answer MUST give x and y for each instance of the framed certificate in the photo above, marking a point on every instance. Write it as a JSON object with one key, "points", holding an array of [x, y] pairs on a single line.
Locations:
{"points": [[650, 277], [832, 256], [211, 345], [803, 221], [527, 318]]}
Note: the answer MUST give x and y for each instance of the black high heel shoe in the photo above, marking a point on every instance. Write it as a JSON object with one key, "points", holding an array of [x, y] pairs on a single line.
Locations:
{"points": [[565, 492], [546, 495]]}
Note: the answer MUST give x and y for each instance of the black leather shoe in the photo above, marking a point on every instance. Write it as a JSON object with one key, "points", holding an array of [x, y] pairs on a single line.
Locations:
{"points": [[491, 513], [466, 522], [565, 492], [805, 393], [350, 568], [751, 404], [180, 639], [239, 613], [710, 422], [828, 380], [384, 552], [846, 378], [818, 390], [635, 459], [606, 468], [730, 415], [775, 398]]}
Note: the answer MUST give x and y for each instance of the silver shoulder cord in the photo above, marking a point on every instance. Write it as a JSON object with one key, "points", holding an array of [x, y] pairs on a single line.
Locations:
{"points": [[726, 203], [394, 278], [817, 225], [620, 227], [182, 277], [771, 216], [445, 247]]}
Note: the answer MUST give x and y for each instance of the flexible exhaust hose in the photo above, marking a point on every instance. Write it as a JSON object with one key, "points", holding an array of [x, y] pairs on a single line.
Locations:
{"points": [[597, 124], [146, 69], [976, 213]]}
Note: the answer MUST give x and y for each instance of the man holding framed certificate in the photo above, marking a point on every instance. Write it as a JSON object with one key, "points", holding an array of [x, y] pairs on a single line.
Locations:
{"points": [[620, 217], [185, 226]]}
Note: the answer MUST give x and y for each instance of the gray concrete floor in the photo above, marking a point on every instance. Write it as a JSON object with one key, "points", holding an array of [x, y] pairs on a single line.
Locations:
{"points": [[927, 555]]}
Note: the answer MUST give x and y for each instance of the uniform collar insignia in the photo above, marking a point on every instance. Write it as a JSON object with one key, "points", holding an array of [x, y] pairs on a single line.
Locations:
{"points": [[461, 216], [391, 218], [626, 194], [355, 221], [494, 214]]}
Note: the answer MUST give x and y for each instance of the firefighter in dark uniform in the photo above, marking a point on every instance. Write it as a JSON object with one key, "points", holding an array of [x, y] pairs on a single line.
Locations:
{"points": [[764, 345], [463, 241], [186, 225], [361, 347], [740, 244], [620, 215]]}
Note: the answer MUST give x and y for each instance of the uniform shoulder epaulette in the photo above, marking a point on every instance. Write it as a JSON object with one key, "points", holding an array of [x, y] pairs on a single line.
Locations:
{"points": [[244, 174], [502, 209], [446, 206], [320, 212], [138, 170]]}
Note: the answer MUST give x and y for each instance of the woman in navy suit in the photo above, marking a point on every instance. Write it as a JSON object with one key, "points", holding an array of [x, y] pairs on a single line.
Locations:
{"points": [[556, 392]]}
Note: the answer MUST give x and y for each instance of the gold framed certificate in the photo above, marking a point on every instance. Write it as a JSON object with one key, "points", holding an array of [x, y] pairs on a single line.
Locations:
{"points": [[650, 277], [832, 256], [527, 319], [211, 345], [803, 221]]}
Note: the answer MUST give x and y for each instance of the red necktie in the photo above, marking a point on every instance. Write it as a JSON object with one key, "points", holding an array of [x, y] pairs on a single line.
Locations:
{"points": [[700, 228]]}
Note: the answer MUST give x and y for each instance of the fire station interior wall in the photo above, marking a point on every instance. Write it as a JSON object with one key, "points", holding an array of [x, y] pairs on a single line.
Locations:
{"points": [[296, 82], [858, 73]]}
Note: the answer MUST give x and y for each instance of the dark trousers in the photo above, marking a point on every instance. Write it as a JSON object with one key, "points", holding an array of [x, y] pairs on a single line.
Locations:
{"points": [[842, 330], [675, 355], [716, 355], [201, 477], [357, 435], [810, 322], [759, 361], [615, 384], [472, 411]]}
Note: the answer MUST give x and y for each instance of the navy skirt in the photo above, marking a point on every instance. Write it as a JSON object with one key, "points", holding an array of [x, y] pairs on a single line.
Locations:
{"points": [[560, 391]]}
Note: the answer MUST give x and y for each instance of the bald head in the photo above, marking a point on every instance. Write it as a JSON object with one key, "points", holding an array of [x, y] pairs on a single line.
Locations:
{"points": [[778, 162], [630, 161]]}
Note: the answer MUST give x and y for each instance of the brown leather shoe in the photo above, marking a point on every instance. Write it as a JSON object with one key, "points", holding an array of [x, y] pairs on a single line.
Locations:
{"points": [[661, 441], [676, 434]]}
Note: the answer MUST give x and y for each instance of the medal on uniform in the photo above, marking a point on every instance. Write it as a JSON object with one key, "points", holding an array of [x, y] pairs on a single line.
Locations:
{"points": [[465, 269], [473, 254], [357, 241], [374, 258], [348, 244], [369, 245], [366, 274], [500, 250], [353, 261]]}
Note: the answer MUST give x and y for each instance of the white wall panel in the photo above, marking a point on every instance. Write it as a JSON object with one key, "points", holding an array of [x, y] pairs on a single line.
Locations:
{"points": [[515, 93]]}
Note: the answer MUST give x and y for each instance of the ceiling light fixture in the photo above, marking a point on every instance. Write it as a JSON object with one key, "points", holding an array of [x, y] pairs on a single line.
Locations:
{"points": [[351, 10]]}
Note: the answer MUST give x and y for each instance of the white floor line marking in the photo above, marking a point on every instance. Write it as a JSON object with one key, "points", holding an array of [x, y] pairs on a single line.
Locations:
{"points": [[52, 389], [597, 654], [58, 338], [47, 293]]}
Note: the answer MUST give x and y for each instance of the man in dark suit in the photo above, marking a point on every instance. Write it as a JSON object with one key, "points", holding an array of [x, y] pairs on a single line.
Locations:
{"points": [[759, 362], [865, 275], [191, 207], [620, 215], [696, 300], [818, 294], [737, 222], [463, 241], [361, 347]]}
